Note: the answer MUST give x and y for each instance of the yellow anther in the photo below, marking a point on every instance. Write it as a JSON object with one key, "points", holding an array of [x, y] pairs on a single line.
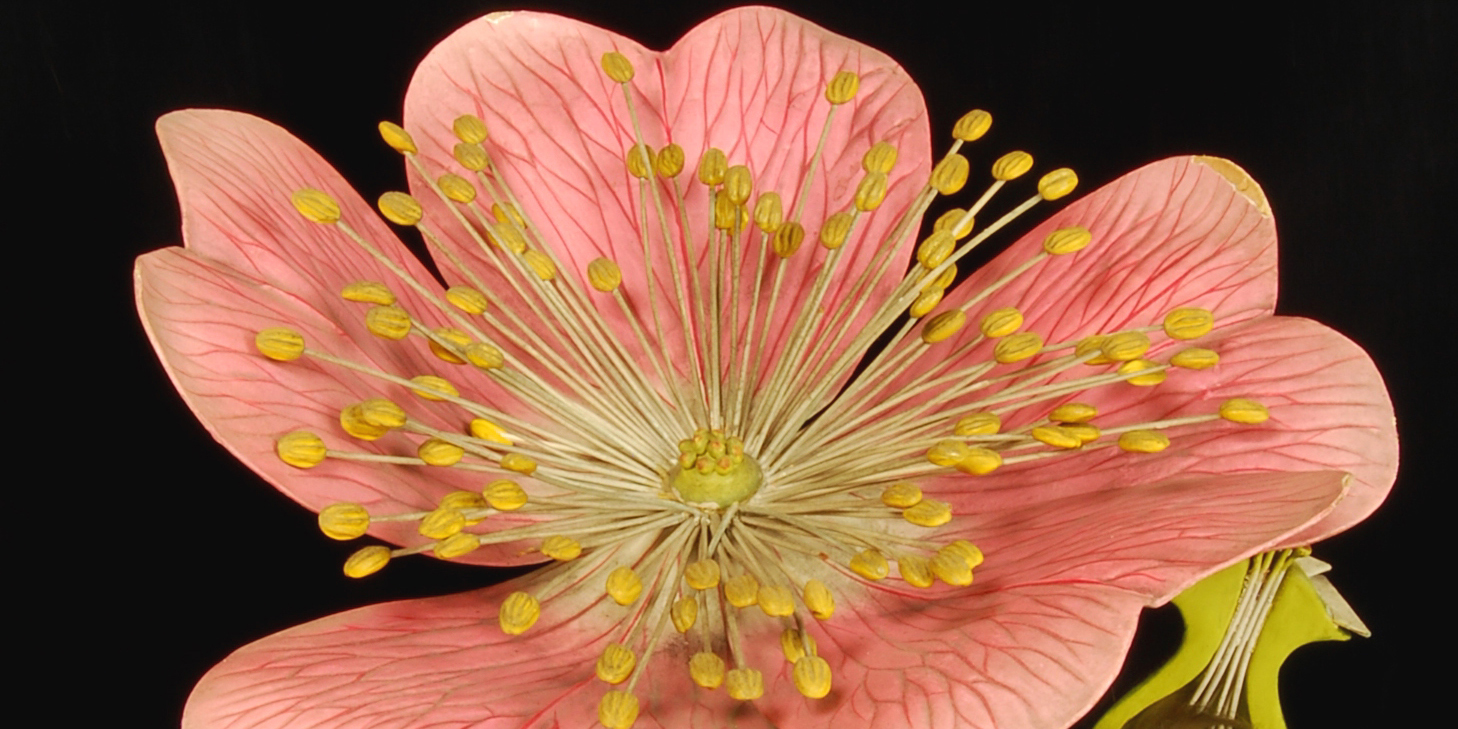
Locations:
{"points": [[505, 495], [507, 213], [925, 302], [881, 157], [616, 663], [487, 430], [640, 161], [617, 710], [484, 355], [1241, 410], [469, 129], [1057, 183], [943, 326], [1012, 165], [947, 452], [617, 66], [400, 208], [738, 184], [381, 412], [950, 174], [623, 585], [744, 684], [280, 343], [978, 424], [1002, 322], [702, 575], [1073, 412], [1124, 346], [949, 220], [1188, 322], [726, 213], [972, 125], [951, 568], [684, 613], [561, 548], [1092, 345], [352, 419], [437, 452], [742, 591], [301, 449], [843, 87], [452, 340], [870, 564], [519, 463], [812, 677], [713, 166], [464, 501], [796, 645], [1084, 431], [398, 139], [901, 495], [367, 561], [370, 292], [510, 238], [1195, 358], [431, 387], [836, 229], [389, 322], [871, 191], [344, 521], [776, 601], [471, 156], [519, 611], [540, 264], [1063, 241], [467, 299], [1056, 436], [929, 513], [669, 162], [915, 570], [968, 550], [316, 205], [818, 599], [769, 212], [707, 670], [1143, 441], [935, 249], [979, 462], [604, 275], [456, 545], [442, 523], [788, 238], [1148, 379], [1017, 347]]}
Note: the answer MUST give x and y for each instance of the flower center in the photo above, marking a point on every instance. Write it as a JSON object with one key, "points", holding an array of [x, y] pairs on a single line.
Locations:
{"points": [[713, 468]]}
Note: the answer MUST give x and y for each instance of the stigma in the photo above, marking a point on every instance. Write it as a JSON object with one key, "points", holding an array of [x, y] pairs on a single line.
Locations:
{"points": [[771, 450]]}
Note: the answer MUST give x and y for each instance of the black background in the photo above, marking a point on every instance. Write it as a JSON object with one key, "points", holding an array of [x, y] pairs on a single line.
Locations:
{"points": [[171, 554]]}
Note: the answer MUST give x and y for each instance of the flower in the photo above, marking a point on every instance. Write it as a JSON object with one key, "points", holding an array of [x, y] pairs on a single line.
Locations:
{"points": [[1108, 411]]}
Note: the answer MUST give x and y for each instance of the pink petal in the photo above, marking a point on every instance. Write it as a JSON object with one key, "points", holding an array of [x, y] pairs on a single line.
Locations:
{"points": [[1185, 231], [1030, 656], [253, 262], [1032, 644], [1329, 412], [750, 81]]}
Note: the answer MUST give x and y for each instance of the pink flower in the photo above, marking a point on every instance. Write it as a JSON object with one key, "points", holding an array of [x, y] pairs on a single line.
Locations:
{"points": [[1153, 420]]}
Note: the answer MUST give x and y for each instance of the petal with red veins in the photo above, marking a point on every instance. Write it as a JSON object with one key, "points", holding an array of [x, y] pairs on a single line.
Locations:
{"points": [[750, 82], [253, 262], [1329, 412]]}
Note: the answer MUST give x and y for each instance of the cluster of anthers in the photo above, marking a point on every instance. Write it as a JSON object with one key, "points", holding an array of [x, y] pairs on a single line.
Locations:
{"points": [[752, 485]]}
